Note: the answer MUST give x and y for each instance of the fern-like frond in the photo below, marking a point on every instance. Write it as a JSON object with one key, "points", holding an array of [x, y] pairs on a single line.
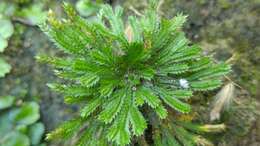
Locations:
{"points": [[137, 120], [113, 107], [181, 94], [205, 85], [161, 111], [137, 30], [213, 71], [89, 80], [70, 90], [120, 130], [91, 106], [166, 29], [148, 96], [66, 130], [173, 101], [174, 69]]}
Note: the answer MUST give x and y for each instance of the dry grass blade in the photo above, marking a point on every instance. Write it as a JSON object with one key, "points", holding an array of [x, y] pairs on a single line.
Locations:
{"points": [[222, 100]]}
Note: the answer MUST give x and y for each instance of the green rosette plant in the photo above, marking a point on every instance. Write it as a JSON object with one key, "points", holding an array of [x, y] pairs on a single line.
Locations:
{"points": [[129, 77]]}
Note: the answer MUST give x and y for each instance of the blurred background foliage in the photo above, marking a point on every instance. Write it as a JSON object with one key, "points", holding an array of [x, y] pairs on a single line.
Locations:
{"points": [[18, 123], [226, 29]]}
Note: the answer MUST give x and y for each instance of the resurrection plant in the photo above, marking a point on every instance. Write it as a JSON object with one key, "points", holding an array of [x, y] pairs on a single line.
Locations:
{"points": [[129, 79]]}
